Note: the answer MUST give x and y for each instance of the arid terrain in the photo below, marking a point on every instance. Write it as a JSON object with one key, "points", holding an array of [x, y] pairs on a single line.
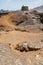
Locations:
{"points": [[16, 28]]}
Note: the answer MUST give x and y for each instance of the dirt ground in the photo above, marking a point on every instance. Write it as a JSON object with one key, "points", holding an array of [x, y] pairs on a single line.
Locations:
{"points": [[15, 37]]}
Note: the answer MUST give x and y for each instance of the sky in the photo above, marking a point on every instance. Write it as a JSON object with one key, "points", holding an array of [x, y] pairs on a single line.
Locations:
{"points": [[17, 4]]}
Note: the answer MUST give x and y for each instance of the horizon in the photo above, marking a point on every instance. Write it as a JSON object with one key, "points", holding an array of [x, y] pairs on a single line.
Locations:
{"points": [[16, 5]]}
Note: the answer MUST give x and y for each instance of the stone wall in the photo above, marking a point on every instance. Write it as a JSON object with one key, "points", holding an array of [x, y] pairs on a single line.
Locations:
{"points": [[24, 8]]}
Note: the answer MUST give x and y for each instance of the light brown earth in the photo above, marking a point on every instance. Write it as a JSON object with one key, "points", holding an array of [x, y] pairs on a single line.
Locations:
{"points": [[15, 37]]}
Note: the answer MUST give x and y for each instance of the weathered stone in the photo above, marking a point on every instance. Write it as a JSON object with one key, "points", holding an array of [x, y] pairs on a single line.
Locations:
{"points": [[35, 46], [20, 47], [25, 46]]}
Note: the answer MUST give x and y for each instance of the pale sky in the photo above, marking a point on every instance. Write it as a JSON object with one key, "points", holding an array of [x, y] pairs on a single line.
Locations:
{"points": [[16, 4]]}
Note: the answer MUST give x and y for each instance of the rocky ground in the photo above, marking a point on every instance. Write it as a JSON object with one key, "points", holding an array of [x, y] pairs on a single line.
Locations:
{"points": [[21, 38], [9, 55]]}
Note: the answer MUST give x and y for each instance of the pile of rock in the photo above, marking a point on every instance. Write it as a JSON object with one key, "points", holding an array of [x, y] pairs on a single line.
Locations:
{"points": [[26, 46]]}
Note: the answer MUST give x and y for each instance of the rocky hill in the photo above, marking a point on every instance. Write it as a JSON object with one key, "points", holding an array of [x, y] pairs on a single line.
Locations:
{"points": [[21, 20], [40, 9]]}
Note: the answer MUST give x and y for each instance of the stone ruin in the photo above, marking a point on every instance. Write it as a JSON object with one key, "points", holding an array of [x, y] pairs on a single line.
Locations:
{"points": [[24, 8]]}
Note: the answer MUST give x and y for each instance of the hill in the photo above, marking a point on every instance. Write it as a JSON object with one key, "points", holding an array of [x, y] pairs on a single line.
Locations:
{"points": [[39, 9]]}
